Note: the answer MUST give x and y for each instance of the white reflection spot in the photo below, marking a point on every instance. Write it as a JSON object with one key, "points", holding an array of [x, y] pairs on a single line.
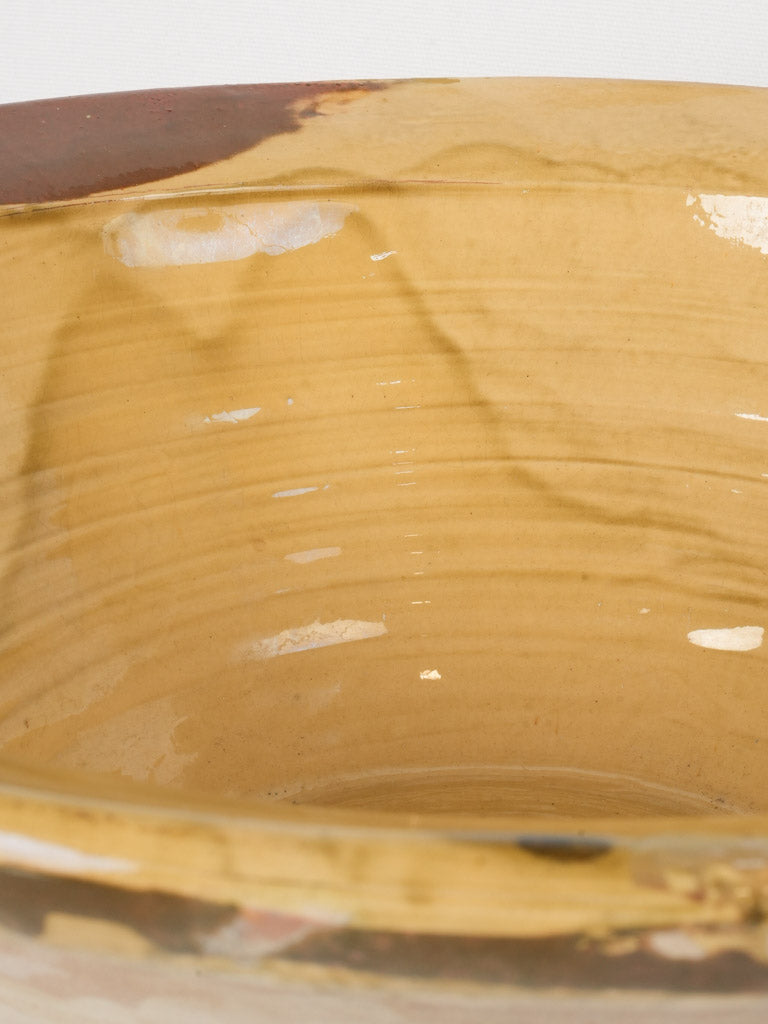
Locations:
{"points": [[232, 415], [376, 256], [675, 944], [21, 849], [218, 234], [294, 492], [740, 638], [751, 416], [302, 557], [318, 634], [430, 673], [736, 218]]}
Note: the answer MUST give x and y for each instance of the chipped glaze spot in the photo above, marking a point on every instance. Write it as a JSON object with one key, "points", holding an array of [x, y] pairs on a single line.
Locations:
{"points": [[739, 638], [317, 634], [430, 673], [175, 238], [735, 218]]}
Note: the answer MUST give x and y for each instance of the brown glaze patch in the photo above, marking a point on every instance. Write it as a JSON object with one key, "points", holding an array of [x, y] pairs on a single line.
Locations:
{"points": [[174, 923], [69, 148], [560, 961]]}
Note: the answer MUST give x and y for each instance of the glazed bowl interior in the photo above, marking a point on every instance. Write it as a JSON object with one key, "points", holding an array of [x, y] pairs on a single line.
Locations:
{"points": [[424, 497]]}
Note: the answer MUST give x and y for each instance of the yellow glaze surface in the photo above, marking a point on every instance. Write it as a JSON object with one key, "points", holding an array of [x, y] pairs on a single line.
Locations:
{"points": [[415, 462]]}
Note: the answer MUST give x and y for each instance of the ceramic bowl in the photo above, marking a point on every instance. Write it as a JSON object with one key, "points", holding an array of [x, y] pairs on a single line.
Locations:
{"points": [[384, 489]]}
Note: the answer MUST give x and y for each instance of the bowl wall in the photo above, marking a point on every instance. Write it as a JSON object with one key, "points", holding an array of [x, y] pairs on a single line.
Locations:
{"points": [[421, 497]]}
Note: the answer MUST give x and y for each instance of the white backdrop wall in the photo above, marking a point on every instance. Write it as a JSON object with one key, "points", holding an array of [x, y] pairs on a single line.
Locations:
{"points": [[65, 47]]}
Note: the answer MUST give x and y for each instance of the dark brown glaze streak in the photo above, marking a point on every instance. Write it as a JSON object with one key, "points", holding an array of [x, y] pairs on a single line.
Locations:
{"points": [[183, 925], [567, 961], [177, 924], [70, 148], [565, 848]]}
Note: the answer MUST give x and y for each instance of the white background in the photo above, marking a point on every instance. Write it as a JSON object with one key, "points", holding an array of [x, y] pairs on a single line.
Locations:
{"points": [[63, 47]]}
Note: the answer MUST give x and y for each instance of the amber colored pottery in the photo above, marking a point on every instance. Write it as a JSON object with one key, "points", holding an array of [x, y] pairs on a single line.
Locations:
{"points": [[384, 555]]}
